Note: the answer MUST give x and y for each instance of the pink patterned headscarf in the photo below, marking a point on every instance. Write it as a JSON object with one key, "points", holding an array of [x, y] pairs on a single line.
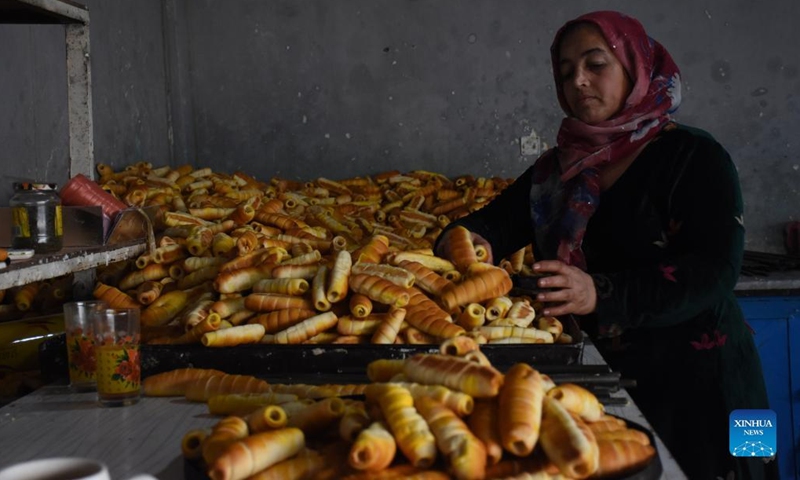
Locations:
{"points": [[583, 150]]}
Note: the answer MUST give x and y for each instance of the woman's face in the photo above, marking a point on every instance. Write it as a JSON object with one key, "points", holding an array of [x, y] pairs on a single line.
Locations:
{"points": [[594, 83]]}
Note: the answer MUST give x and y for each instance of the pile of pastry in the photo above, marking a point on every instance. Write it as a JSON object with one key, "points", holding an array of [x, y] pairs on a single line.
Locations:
{"points": [[446, 415], [240, 261]]}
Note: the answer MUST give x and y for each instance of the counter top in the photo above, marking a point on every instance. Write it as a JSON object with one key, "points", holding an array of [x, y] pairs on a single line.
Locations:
{"points": [[781, 283], [629, 411], [145, 437]]}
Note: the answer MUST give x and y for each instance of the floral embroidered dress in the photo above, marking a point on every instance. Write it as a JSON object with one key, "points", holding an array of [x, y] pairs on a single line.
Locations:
{"points": [[664, 248]]}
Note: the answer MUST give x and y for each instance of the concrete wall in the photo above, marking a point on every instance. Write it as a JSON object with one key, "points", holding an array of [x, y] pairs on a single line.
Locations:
{"points": [[129, 93], [301, 89], [34, 142]]}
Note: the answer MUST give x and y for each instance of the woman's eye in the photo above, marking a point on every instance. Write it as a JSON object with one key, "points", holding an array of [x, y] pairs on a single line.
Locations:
{"points": [[596, 66]]}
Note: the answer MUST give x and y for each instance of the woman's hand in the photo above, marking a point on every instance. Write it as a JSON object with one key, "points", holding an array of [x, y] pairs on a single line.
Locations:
{"points": [[573, 289], [444, 245]]}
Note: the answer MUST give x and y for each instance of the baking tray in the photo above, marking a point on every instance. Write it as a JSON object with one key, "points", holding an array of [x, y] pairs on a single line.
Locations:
{"points": [[527, 284], [193, 470], [654, 469], [329, 359], [324, 363]]}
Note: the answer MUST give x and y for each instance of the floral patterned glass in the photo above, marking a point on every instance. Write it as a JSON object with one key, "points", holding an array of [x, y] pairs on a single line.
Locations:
{"points": [[117, 351], [79, 318]]}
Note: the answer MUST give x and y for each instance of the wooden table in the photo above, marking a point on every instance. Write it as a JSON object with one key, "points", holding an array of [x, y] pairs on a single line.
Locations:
{"points": [[145, 437]]}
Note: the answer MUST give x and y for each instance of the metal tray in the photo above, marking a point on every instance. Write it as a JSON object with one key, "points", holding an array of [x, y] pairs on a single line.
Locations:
{"points": [[326, 363], [654, 469], [527, 284], [270, 360]]}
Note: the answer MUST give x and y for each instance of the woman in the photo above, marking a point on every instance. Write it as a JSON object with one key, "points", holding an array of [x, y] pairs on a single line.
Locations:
{"points": [[640, 222]]}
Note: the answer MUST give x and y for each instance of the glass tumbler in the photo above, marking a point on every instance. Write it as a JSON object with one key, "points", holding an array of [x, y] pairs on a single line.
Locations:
{"points": [[79, 319], [117, 337]]}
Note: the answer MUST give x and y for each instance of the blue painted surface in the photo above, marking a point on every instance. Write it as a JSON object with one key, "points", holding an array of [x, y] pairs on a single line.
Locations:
{"points": [[776, 321]]}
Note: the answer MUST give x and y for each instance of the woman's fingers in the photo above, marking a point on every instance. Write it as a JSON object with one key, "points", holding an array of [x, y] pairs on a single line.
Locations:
{"points": [[558, 310], [558, 301], [572, 289], [549, 266]]}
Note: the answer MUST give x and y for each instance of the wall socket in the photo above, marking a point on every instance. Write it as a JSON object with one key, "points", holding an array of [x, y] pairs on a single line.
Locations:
{"points": [[531, 144]]}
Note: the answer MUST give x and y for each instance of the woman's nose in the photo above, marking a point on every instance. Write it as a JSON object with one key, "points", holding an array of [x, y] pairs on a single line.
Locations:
{"points": [[580, 78]]}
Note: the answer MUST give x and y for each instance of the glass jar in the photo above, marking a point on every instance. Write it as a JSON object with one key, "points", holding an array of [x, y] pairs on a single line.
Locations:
{"points": [[37, 217]]}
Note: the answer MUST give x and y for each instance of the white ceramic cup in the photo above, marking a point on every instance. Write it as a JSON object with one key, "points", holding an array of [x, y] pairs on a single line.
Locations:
{"points": [[63, 468]]}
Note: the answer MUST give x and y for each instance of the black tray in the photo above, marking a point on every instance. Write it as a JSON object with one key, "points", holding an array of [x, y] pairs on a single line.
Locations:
{"points": [[652, 471], [328, 359], [323, 363], [527, 284]]}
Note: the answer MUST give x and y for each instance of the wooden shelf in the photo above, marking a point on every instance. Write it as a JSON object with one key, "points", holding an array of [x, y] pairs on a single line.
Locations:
{"points": [[42, 267]]}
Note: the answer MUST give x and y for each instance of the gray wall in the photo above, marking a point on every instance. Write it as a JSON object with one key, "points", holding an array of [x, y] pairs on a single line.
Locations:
{"points": [[301, 89]]}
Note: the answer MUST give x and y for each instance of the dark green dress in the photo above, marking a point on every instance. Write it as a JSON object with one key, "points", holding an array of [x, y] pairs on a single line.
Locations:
{"points": [[664, 249]]}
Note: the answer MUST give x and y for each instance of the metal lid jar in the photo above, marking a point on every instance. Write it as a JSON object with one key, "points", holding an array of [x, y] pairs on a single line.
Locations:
{"points": [[37, 217]]}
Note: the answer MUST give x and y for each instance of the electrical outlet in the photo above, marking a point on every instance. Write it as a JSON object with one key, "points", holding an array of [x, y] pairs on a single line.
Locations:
{"points": [[530, 145]]}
